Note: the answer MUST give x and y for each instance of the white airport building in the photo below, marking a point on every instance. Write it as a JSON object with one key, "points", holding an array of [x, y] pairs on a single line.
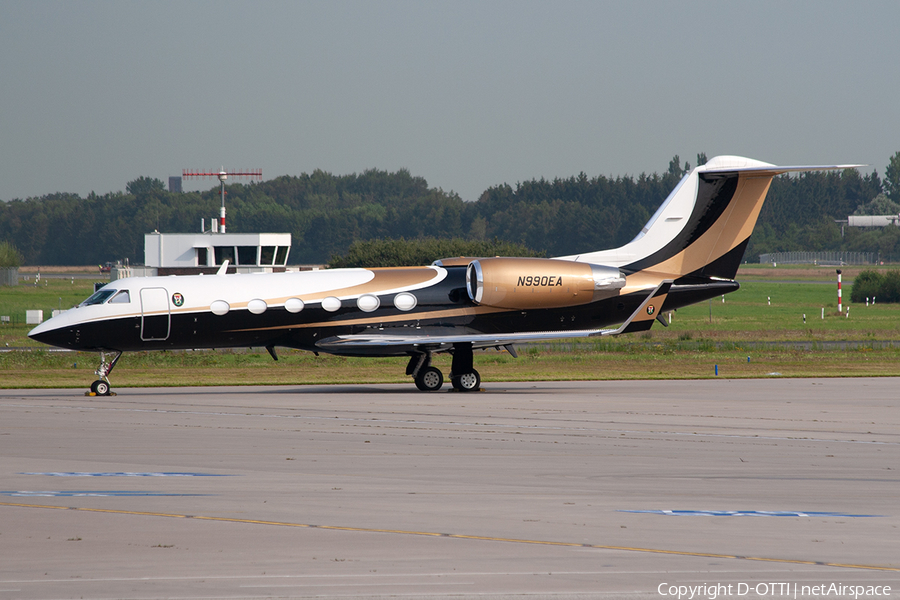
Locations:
{"points": [[213, 249], [193, 253]]}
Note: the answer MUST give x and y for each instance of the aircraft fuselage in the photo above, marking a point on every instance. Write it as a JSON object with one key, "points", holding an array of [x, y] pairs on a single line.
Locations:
{"points": [[174, 312]]}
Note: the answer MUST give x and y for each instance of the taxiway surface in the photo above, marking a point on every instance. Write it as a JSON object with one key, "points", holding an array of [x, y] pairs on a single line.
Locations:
{"points": [[525, 490]]}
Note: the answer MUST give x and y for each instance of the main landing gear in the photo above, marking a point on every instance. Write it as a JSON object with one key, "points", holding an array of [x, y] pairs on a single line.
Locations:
{"points": [[463, 376], [101, 386]]}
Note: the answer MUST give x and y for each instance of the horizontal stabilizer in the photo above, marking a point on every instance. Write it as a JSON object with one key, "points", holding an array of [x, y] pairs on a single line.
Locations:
{"points": [[775, 169]]}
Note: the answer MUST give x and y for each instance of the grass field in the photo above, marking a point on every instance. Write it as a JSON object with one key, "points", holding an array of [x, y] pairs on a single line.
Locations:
{"points": [[752, 323], [48, 295]]}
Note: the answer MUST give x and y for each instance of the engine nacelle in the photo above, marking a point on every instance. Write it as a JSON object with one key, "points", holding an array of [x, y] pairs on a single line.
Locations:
{"points": [[528, 283]]}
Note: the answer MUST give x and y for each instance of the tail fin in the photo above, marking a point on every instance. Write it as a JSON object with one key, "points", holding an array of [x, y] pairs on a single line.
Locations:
{"points": [[702, 228]]}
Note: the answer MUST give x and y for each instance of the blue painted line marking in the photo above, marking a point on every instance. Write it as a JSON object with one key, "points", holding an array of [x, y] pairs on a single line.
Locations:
{"points": [[87, 493], [126, 474], [746, 513]]}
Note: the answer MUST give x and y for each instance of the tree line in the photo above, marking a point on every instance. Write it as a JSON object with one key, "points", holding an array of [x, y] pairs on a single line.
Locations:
{"points": [[422, 251], [327, 213]]}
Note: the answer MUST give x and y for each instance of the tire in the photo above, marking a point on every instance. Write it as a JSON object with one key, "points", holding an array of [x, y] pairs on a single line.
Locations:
{"points": [[430, 379], [94, 386], [101, 388], [467, 382]]}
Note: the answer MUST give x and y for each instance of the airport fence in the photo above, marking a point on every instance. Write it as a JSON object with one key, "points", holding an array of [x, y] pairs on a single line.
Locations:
{"points": [[820, 258]]}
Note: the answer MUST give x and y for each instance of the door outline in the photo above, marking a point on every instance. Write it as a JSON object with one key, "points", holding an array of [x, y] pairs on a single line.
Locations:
{"points": [[156, 320]]}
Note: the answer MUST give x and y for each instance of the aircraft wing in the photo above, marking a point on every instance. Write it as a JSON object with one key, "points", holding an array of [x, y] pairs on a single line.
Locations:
{"points": [[427, 341], [640, 320]]}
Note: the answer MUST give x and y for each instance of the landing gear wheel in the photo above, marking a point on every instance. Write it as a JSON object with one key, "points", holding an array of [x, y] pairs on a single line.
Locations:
{"points": [[467, 382], [100, 387], [429, 379]]}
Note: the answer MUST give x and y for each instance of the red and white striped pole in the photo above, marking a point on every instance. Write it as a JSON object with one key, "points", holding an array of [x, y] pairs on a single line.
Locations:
{"points": [[222, 177], [839, 290]]}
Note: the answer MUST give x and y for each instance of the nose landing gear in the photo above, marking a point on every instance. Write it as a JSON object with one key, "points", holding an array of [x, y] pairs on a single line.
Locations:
{"points": [[101, 386]]}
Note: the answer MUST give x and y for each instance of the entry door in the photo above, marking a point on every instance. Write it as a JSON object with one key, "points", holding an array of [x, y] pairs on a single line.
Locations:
{"points": [[155, 318]]}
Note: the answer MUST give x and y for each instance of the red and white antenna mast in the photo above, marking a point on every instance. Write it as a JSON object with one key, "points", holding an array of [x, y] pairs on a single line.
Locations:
{"points": [[222, 175]]}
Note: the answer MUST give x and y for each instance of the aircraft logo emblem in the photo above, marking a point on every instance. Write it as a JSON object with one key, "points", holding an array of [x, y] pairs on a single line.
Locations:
{"points": [[177, 299], [650, 310]]}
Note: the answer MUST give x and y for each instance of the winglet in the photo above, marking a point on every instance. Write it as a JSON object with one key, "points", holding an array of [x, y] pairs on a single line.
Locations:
{"points": [[224, 268], [642, 319]]}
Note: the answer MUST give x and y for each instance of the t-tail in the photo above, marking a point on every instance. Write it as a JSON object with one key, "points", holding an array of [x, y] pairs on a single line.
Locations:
{"points": [[702, 229]]}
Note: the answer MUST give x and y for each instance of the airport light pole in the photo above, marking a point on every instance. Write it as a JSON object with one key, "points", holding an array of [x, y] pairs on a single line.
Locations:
{"points": [[222, 175]]}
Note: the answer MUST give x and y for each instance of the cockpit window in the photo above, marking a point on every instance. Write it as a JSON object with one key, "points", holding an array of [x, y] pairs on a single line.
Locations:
{"points": [[121, 298], [99, 297]]}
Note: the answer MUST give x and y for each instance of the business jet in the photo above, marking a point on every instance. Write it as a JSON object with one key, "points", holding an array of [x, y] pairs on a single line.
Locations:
{"points": [[688, 252]]}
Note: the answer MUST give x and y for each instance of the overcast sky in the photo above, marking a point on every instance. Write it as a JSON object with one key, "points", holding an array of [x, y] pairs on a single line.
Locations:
{"points": [[467, 95]]}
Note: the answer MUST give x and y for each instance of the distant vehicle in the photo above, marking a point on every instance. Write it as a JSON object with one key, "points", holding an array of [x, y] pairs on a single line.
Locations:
{"points": [[106, 268], [688, 252]]}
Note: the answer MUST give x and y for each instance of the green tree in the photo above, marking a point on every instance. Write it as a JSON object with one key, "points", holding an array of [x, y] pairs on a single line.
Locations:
{"points": [[144, 185], [892, 178], [880, 205], [872, 284], [423, 251], [866, 285], [675, 166], [890, 287], [9, 255]]}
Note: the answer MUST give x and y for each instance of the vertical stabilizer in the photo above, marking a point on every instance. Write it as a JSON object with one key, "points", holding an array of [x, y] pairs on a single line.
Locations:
{"points": [[703, 227]]}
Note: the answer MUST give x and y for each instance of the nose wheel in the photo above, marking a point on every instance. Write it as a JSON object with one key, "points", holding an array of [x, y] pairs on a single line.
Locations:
{"points": [[101, 386]]}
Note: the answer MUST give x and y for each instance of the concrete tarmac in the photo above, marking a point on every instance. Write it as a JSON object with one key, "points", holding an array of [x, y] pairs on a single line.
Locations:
{"points": [[525, 490]]}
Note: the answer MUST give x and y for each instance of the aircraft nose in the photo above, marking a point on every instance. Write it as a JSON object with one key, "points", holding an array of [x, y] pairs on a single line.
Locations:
{"points": [[38, 331], [52, 334]]}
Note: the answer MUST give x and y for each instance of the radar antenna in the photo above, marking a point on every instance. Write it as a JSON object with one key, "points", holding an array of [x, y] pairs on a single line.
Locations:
{"points": [[222, 175]]}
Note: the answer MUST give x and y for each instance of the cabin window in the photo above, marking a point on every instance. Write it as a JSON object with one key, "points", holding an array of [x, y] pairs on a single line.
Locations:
{"points": [[224, 253], [98, 298], [267, 255], [282, 255], [246, 255], [123, 297]]}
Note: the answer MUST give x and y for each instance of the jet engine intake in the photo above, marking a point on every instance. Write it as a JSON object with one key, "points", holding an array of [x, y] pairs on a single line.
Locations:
{"points": [[529, 283]]}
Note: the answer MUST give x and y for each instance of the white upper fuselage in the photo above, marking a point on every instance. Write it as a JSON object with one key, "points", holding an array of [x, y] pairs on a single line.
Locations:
{"points": [[223, 293]]}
